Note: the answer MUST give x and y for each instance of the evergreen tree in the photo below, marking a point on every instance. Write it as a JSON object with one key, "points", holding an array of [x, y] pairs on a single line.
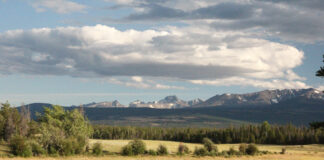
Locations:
{"points": [[320, 72]]}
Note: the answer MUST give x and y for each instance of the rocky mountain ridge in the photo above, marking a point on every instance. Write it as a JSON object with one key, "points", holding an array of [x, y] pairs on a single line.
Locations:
{"points": [[266, 97]]}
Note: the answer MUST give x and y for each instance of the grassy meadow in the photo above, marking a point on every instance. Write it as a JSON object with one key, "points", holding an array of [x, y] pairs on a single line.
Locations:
{"points": [[293, 152], [115, 146]]}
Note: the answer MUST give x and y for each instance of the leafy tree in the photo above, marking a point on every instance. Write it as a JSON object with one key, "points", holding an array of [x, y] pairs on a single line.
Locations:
{"points": [[9, 121], [24, 121], [20, 147], [63, 132], [320, 72]]}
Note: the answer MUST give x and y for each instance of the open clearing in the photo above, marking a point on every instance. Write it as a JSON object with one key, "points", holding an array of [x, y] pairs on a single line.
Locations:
{"points": [[294, 152], [116, 145]]}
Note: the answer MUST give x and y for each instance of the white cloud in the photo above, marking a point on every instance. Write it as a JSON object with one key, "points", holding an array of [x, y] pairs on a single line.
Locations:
{"points": [[59, 6], [187, 54]]}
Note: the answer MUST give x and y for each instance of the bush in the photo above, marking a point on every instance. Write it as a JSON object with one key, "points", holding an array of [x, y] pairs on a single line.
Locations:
{"points": [[52, 151], [209, 145], [19, 147], [162, 150], [127, 150], [252, 149], [183, 149], [232, 151], [213, 153], [97, 149], [80, 144], [283, 151], [134, 147], [243, 147], [68, 147], [37, 149], [201, 152], [151, 152], [138, 147]]}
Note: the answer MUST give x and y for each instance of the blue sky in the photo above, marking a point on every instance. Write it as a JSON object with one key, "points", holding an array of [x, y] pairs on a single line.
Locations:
{"points": [[74, 52]]}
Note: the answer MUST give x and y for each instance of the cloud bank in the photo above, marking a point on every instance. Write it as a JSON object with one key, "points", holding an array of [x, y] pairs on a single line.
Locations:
{"points": [[298, 21], [191, 54]]}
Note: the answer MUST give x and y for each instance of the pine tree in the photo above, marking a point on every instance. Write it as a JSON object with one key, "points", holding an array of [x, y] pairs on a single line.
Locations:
{"points": [[320, 73]]}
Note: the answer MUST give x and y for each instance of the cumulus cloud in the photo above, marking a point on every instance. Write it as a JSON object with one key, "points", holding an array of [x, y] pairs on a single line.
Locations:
{"points": [[59, 6], [187, 54], [289, 20]]}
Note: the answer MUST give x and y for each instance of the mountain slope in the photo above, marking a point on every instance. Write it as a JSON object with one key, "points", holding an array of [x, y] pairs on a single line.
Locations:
{"points": [[266, 97]]}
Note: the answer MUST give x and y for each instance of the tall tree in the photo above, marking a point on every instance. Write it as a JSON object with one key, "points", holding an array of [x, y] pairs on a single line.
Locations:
{"points": [[320, 73], [24, 120], [9, 121]]}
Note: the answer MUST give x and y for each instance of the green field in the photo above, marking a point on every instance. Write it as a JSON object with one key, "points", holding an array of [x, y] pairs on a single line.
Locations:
{"points": [[294, 152]]}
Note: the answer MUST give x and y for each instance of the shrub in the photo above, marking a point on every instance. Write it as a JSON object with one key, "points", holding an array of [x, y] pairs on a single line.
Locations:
{"points": [[151, 152], [232, 151], [213, 153], [201, 152], [37, 149], [80, 144], [252, 149], [67, 147], [52, 151], [162, 150], [138, 147], [224, 153], [283, 151], [183, 149], [243, 147], [19, 147], [97, 149], [127, 150], [134, 147], [209, 145]]}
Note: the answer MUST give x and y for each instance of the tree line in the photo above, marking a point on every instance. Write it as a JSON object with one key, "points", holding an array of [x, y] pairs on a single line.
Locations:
{"points": [[260, 134]]}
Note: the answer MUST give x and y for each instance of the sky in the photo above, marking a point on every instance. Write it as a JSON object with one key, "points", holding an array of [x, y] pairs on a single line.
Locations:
{"points": [[70, 52]]}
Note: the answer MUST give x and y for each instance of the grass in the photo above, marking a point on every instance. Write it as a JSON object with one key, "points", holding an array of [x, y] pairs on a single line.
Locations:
{"points": [[294, 152], [116, 145]]}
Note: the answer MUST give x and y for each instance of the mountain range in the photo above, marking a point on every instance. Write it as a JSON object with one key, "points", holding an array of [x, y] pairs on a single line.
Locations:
{"points": [[296, 106], [266, 97]]}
